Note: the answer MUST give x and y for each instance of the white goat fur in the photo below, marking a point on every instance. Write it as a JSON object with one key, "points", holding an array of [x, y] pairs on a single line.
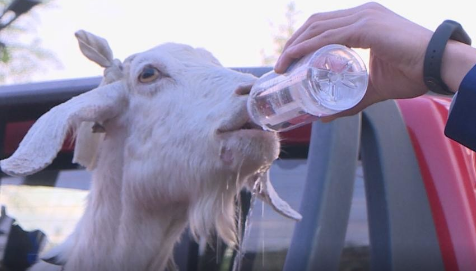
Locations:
{"points": [[172, 156]]}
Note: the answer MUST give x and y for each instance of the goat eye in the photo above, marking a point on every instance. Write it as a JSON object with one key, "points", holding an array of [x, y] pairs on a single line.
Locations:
{"points": [[148, 75]]}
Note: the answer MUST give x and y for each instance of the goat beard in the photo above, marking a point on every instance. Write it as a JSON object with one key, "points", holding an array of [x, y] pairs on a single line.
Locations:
{"points": [[249, 155]]}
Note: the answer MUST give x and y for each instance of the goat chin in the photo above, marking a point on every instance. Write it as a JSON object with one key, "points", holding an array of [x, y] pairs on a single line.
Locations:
{"points": [[161, 162]]}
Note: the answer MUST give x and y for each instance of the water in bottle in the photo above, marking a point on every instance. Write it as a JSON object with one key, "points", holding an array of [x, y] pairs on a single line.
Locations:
{"points": [[328, 81]]}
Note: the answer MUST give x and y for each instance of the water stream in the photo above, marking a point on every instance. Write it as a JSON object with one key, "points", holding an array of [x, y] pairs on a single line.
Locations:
{"points": [[243, 229]]}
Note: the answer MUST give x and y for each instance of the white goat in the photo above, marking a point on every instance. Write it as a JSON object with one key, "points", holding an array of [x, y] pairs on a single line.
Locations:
{"points": [[176, 150]]}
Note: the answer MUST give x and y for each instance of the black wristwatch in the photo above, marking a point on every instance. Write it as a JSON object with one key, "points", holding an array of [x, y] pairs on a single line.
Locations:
{"points": [[434, 54]]}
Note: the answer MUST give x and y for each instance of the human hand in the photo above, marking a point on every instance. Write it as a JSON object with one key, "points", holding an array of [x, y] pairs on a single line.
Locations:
{"points": [[397, 49]]}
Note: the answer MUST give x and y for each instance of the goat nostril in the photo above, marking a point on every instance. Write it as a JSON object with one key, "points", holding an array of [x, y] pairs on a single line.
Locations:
{"points": [[243, 89]]}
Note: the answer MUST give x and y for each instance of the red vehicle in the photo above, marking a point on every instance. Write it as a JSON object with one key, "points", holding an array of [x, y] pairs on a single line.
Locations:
{"points": [[382, 190]]}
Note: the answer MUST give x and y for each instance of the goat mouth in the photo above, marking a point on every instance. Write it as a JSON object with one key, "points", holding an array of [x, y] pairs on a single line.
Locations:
{"points": [[248, 125]]}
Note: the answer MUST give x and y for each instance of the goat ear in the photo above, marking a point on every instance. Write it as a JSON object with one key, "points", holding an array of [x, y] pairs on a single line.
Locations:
{"points": [[86, 145], [58, 255], [265, 191], [95, 48], [52, 258], [45, 138]]}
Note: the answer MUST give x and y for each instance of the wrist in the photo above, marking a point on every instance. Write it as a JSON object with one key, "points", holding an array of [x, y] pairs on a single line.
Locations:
{"points": [[458, 59], [437, 47]]}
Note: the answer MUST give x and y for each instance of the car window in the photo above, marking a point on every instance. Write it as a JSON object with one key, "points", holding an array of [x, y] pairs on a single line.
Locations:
{"points": [[56, 206]]}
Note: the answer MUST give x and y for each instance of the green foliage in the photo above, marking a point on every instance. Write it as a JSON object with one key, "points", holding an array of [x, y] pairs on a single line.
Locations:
{"points": [[4, 54], [21, 53], [281, 35]]}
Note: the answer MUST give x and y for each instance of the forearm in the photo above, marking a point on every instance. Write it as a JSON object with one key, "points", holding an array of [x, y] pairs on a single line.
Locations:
{"points": [[458, 59]]}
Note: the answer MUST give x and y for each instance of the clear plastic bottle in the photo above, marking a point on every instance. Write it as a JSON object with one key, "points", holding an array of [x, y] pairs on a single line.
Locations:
{"points": [[328, 81]]}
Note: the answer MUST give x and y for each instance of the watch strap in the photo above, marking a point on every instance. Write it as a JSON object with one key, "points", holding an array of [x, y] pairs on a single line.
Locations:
{"points": [[434, 54]]}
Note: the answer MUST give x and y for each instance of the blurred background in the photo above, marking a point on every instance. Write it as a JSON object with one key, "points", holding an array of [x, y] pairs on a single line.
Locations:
{"points": [[37, 44], [244, 33]]}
